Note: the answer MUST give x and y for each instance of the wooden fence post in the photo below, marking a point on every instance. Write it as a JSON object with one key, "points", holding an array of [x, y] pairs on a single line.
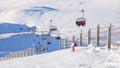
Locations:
{"points": [[29, 51], [0, 58], [89, 33], [16, 54], [98, 35], [46, 46], [60, 44], [7, 57], [13, 55], [66, 42], [30, 54], [81, 38], [109, 38], [10, 55], [34, 51], [25, 53], [73, 39], [4, 57], [22, 53]]}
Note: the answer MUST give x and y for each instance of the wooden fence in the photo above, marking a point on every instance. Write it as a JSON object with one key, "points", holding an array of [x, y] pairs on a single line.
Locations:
{"points": [[110, 34], [18, 54], [25, 53]]}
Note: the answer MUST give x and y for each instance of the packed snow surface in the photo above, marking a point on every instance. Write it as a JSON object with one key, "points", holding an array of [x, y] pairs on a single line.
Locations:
{"points": [[83, 57]]}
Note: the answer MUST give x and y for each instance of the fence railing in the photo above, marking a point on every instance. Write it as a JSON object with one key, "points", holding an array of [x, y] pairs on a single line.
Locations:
{"points": [[95, 35], [18, 54], [110, 34]]}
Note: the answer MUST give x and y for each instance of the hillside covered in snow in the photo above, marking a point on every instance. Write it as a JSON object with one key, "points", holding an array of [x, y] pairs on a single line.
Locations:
{"points": [[83, 57], [25, 24], [16, 37], [63, 13]]}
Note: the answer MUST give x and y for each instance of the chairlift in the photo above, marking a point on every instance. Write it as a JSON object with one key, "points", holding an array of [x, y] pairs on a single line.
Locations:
{"points": [[48, 43], [57, 37], [81, 20], [52, 27]]}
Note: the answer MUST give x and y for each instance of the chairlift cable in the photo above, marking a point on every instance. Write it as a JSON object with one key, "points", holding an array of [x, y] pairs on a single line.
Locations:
{"points": [[52, 27], [51, 20], [76, 15], [81, 10], [63, 13], [59, 7], [81, 21], [83, 7]]}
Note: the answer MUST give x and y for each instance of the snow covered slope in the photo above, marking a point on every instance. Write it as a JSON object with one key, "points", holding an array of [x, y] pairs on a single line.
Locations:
{"points": [[88, 57], [62, 12], [21, 41], [17, 37], [15, 28]]}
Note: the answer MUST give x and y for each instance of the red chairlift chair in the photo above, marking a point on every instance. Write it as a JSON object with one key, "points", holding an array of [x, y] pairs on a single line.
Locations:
{"points": [[81, 21]]}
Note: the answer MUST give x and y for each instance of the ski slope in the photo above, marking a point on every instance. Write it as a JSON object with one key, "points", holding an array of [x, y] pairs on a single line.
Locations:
{"points": [[17, 37], [62, 12], [83, 57]]}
